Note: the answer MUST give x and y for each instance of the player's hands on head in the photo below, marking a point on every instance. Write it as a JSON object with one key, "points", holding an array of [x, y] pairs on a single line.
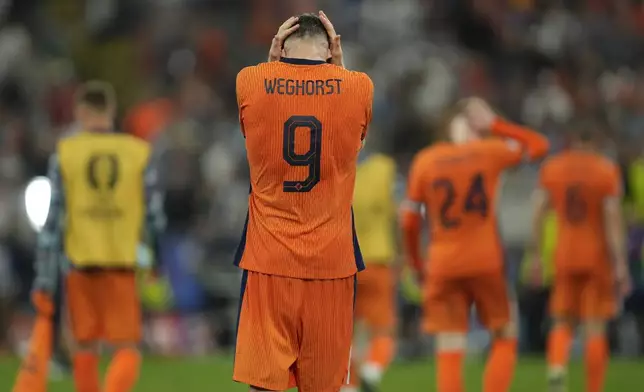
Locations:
{"points": [[335, 45], [479, 114], [286, 29]]}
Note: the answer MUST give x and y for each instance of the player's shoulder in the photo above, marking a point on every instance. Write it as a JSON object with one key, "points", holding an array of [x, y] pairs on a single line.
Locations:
{"points": [[355, 76]]}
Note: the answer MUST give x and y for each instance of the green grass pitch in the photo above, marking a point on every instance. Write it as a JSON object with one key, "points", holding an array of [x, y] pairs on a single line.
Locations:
{"points": [[213, 374]]}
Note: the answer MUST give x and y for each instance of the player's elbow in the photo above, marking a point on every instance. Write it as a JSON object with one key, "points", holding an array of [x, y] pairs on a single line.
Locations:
{"points": [[539, 148]]}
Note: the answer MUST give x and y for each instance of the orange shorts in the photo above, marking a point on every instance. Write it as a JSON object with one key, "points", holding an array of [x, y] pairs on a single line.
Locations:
{"points": [[583, 296], [375, 297], [294, 332], [103, 305], [448, 302]]}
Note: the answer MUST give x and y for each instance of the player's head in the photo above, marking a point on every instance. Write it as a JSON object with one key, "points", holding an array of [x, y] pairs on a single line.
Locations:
{"points": [[584, 136], [454, 125], [95, 106], [309, 40]]}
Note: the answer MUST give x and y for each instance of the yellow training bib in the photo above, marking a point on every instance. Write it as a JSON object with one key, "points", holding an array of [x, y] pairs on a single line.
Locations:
{"points": [[102, 177], [375, 209]]}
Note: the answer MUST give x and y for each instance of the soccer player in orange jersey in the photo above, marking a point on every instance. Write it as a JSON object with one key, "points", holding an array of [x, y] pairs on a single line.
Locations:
{"points": [[304, 118], [457, 183], [584, 190]]}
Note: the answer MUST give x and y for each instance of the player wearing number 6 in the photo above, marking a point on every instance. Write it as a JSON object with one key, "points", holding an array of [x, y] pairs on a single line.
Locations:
{"points": [[456, 182], [584, 190], [304, 119]]}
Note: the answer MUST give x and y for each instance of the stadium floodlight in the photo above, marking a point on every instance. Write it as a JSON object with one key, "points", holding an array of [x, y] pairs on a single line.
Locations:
{"points": [[37, 200]]}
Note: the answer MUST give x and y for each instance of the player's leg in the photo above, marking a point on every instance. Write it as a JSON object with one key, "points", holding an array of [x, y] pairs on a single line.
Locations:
{"points": [[85, 320], [60, 364], [498, 312], [446, 315], [598, 306], [380, 321], [327, 329], [362, 304], [375, 322], [122, 329], [563, 310], [268, 331]]}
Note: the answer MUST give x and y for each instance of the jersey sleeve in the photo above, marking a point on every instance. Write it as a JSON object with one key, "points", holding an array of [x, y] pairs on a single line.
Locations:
{"points": [[506, 153], [414, 181], [242, 88]]}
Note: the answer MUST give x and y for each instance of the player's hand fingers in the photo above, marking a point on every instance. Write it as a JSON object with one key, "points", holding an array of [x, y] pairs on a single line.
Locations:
{"points": [[288, 24], [286, 33], [327, 25]]}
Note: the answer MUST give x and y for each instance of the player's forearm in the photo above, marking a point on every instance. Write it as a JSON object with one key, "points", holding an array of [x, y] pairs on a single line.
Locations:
{"points": [[411, 225], [538, 225], [616, 237], [534, 144]]}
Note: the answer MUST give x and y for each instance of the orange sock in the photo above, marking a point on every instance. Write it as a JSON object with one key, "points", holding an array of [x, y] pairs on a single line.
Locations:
{"points": [[596, 363], [123, 371], [448, 371], [559, 342], [86, 372], [499, 371], [381, 351]]}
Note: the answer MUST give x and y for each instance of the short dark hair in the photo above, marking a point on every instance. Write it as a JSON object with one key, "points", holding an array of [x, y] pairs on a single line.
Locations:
{"points": [[584, 130], [97, 94], [310, 26]]}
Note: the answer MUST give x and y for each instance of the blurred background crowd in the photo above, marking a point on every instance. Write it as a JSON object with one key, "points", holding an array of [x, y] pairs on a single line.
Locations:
{"points": [[543, 63]]}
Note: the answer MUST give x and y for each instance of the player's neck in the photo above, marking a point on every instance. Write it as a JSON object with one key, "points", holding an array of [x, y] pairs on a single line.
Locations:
{"points": [[304, 50], [304, 55]]}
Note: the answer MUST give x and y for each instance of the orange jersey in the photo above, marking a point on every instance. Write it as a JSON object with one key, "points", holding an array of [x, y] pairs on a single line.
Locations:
{"points": [[304, 122], [458, 186], [578, 183]]}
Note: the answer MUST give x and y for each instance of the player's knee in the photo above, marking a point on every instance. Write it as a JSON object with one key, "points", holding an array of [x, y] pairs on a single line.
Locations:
{"points": [[129, 346], [451, 341], [509, 331], [382, 332], [594, 328], [87, 346], [563, 322]]}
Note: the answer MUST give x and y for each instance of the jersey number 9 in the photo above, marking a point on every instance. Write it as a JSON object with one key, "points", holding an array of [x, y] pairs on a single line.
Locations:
{"points": [[310, 158], [476, 201], [576, 207]]}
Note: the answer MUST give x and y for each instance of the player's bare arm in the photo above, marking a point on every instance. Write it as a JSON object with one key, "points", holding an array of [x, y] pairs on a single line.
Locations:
{"points": [[616, 240], [484, 120], [541, 202], [286, 29]]}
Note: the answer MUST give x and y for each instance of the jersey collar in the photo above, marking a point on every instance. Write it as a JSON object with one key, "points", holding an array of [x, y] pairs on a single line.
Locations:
{"points": [[290, 60]]}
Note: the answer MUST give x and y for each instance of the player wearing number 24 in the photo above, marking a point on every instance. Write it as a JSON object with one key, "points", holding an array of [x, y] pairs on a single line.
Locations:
{"points": [[456, 181], [304, 117]]}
